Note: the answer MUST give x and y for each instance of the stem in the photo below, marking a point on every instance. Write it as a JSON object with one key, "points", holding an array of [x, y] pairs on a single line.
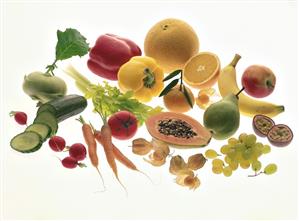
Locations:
{"points": [[237, 95], [181, 83], [50, 68], [81, 120], [256, 174], [235, 60]]}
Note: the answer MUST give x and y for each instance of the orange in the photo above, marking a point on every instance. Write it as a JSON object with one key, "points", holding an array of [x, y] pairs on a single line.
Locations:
{"points": [[202, 70], [175, 100]]}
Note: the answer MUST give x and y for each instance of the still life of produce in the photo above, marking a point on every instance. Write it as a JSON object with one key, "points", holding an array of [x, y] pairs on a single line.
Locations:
{"points": [[171, 67]]}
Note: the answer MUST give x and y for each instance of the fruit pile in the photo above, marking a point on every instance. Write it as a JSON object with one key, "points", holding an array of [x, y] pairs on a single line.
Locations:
{"points": [[172, 67]]}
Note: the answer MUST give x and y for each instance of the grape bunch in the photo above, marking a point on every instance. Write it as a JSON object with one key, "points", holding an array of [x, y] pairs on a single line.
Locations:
{"points": [[243, 152]]}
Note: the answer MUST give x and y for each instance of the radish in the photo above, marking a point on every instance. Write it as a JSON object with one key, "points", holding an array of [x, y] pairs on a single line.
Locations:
{"points": [[78, 151], [69, 162], [123, 125], [20, 117], [57, 143]]}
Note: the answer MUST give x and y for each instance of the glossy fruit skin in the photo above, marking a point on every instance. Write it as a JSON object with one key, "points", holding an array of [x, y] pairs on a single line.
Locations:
{"points": [[109, 53], [57, 143], [69, 162], [78, 151], [175, 100], [259, 81], [20, 117], [123, 125]]}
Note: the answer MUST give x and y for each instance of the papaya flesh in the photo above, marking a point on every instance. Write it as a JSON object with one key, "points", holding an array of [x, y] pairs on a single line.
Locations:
{"points": [[178, 129]]}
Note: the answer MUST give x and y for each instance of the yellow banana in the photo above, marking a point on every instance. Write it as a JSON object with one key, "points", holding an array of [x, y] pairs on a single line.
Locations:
{"points": [[227, 83]]}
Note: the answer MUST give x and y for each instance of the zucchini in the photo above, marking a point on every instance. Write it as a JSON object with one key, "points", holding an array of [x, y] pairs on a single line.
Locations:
{"points": [[64, 107], [42, 129], [26, 142], [49, 119]]}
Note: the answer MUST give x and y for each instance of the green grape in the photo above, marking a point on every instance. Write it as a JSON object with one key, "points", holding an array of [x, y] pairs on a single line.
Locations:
{"points": [[211, 154], [256, 165], [240, 147], [232, 141], [247, 154], [217, 163], [227, 159], [225, 149], [217, 169], [232, 154], [257, 153], [245, 164], [233, 165], [270, 169], [242, 137], [227, 171], [266, 149], [250, 140], [258, 146]]}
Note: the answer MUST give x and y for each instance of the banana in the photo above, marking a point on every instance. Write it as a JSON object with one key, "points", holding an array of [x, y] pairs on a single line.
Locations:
{"points": [[227, 83]]}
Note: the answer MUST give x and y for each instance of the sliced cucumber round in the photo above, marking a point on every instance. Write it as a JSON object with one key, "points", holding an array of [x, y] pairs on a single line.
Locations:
{"points": [[26, 142], [49, 119], [42, 129]]}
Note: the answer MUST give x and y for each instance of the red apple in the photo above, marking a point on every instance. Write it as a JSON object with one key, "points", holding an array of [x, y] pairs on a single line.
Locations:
{"points": [[258, 81]]}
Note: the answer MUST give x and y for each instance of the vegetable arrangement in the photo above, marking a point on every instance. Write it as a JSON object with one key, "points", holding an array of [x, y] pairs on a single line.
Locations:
{"points": [[140, 79]]}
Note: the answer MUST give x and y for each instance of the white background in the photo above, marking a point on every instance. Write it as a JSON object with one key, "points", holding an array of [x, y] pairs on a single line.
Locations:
{"points": [[36, 186]]}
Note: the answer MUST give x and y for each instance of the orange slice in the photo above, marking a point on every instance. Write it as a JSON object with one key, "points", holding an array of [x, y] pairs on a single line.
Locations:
{"points": [[202, 70]]}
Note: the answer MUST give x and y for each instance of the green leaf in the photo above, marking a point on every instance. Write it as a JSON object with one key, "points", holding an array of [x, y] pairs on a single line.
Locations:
{"points": [[169, 87], [70, 43], [187, 96], [173, 74]]}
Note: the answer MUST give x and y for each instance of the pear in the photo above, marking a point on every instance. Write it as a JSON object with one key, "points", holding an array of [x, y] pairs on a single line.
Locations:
{"points": [[223, 117]]}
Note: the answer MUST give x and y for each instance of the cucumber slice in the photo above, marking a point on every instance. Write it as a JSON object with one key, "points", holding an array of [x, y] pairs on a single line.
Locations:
{"points": [[42, 129], [26, 142], [49, 119]]}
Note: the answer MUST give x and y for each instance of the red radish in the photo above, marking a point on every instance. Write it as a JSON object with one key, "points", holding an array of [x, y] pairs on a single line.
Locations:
{"points": [[57, 143], [20, 117], [123, 125], [78, 151], [69, 162]]}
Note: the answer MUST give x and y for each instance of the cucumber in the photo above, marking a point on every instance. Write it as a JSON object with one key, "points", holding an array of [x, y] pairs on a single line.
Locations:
{"points": [[42, 129], [64, 107], [49, 119], [26, 142]]}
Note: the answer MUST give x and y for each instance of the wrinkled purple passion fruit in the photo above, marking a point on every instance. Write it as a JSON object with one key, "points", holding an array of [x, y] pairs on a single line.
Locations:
{"points": [[280, 135], [262, 124]]}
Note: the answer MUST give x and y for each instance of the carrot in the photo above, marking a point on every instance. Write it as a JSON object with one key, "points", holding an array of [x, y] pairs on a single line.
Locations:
{"points": [[91, 146], [120, 156], [108, 149]]}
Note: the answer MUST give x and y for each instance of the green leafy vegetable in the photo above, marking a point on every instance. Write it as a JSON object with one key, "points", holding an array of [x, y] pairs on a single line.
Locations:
{"points": [[108, 100], [70, 43]]}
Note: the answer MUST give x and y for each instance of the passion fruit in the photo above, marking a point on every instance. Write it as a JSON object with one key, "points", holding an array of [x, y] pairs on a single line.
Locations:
{"points": [[262, 124], [280, 135]]}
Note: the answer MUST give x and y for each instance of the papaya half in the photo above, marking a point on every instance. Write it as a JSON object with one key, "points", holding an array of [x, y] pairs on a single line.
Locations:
{"points": [[178, 129]]}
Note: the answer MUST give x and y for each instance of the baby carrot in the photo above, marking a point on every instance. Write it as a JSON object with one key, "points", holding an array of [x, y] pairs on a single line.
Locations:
{"points": [[108, 149], [91, 146], [120, 156]]}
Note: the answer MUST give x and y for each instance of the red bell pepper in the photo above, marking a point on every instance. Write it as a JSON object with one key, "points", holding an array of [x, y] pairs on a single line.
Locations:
{"points": [[109, 54]]}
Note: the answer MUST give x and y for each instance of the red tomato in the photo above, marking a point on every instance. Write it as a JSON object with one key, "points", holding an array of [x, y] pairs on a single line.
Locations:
{"points": [[123, 125]]}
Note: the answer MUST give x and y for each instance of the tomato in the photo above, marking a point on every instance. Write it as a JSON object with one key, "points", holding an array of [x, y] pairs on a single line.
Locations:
{"points": [[123, 125]]}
